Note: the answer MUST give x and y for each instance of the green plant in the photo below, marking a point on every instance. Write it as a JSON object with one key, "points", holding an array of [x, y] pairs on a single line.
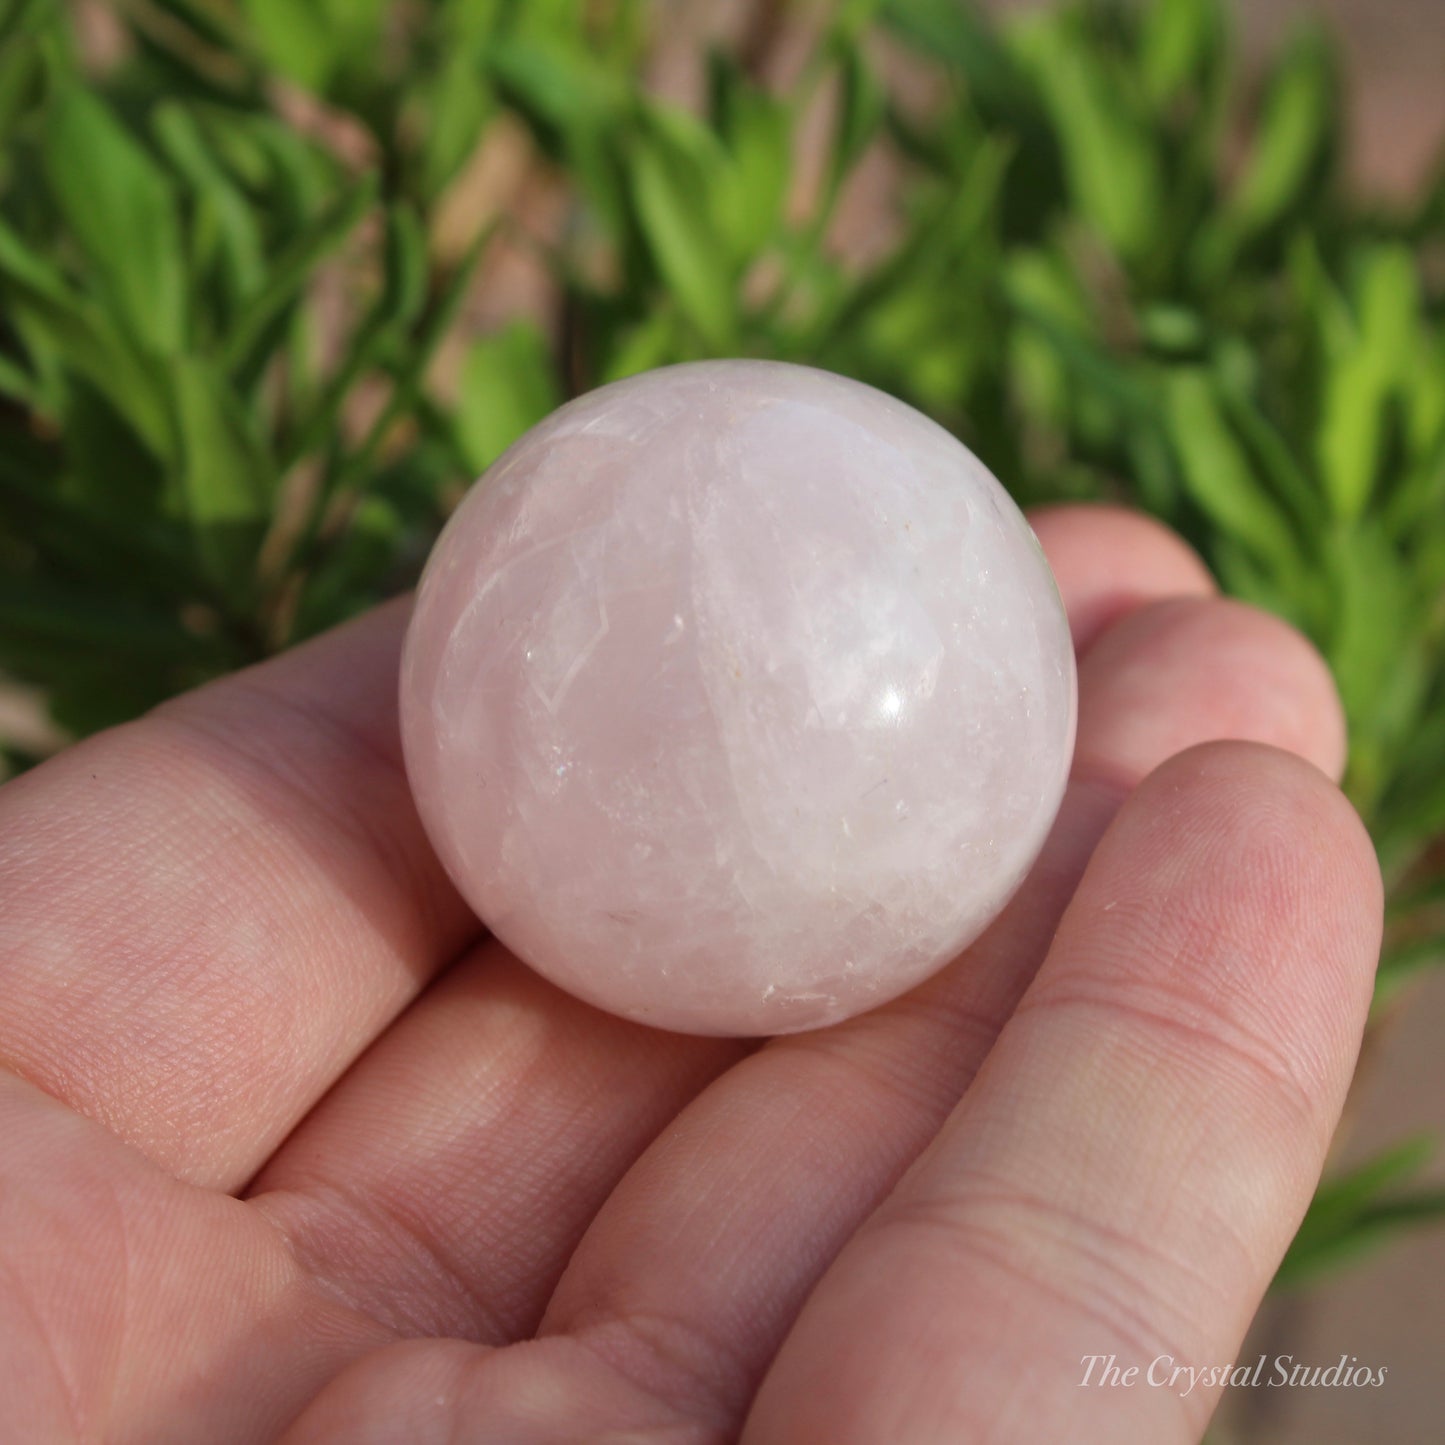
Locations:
{"points": [[240, 387]]}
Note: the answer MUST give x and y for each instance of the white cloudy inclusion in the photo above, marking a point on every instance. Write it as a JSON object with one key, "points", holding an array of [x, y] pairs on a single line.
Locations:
{"points": [[738, 698]]}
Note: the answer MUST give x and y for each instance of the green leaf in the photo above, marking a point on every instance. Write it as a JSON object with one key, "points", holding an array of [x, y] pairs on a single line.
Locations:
{"points": [[1398, 966], [579, 110], [358, 33], [960, 35], [1053, 350], [652, 342], [1341, 1199], [508, 385], [95, 532], [1319, 300], [1109, 152], [750, 183], [53, 320], [565, 93], [213, 21], [405, 280], [957, 224], [18, 384], [383, 327], [1042, 284], [120, 207], [1374, 648], [108, 464], [1424, 383], [353, 572], [356, 472], [1364, 376], [221, 205], [20, 18], [862, 105], [670, 191], [1270, 453], [290, 178], [1180, 41], [1417, 499], [458, 102], [293, 269], [1410, 815], [1176, 331], [1292, 146], [22, 82], [1217, 473], [443, 311], [1358, 1210], [296, 37], [1087, 373], [72, 620], [223, 482]]}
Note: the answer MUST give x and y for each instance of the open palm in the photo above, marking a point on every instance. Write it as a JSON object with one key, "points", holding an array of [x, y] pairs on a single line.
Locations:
{"points": [[289, 1153]]}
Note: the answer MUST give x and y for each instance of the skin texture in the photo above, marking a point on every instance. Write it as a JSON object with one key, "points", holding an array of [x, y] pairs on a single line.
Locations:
{"points": [[290, 1154]]}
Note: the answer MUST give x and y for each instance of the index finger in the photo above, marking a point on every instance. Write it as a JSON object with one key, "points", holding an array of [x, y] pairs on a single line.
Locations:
{"points": [[210, 912]]}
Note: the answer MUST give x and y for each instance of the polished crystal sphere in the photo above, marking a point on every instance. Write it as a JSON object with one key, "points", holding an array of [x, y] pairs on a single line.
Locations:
{"points": [[738, 698]]}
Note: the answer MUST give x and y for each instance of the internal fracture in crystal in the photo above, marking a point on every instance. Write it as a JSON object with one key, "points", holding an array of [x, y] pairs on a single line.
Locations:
{"points": [[738, 698]]}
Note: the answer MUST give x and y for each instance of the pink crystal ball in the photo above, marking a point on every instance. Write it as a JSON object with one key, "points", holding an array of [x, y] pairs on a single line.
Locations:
{"points": [[738, 698]]}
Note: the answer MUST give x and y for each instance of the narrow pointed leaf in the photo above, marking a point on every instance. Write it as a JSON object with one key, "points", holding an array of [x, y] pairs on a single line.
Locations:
{"points": [[222, 479], [121, 208], [1216, 470], [508, 384]]}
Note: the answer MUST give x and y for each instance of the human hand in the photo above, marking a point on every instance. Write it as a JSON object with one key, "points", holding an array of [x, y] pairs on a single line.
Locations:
{"points": [[289, 1152]]}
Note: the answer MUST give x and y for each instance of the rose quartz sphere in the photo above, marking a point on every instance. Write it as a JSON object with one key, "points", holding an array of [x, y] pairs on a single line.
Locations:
{"points": [[738, 698]]}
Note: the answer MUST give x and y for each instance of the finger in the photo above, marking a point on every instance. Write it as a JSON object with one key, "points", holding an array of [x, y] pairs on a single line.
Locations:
{"points": [[828, 1121], [443, 1185], [1245, 662], [1127, 1170], [210, 912], [139, 1310], [429, 1128], [1109, 561]]}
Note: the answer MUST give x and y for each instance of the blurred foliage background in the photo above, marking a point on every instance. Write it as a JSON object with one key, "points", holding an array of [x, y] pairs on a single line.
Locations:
{"points": [[262, 319]]}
